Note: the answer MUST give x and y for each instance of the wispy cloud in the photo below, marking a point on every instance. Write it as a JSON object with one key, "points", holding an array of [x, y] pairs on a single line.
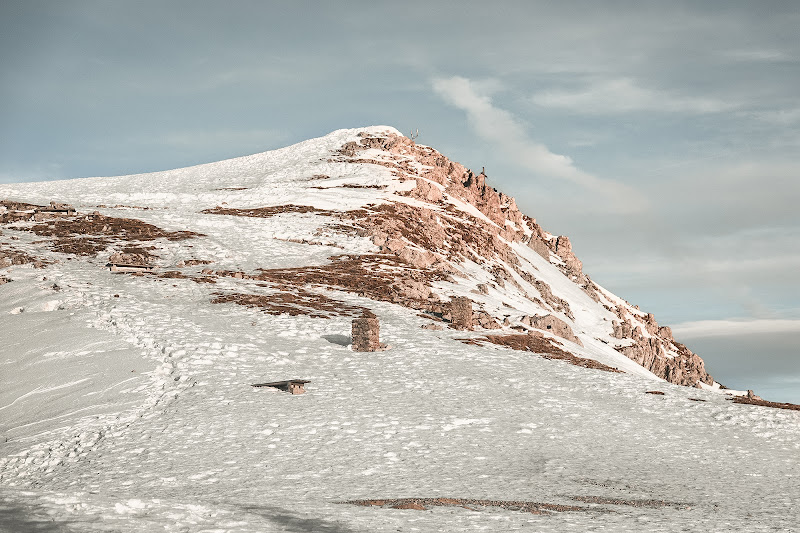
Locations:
{"points": [[758, 55], [500, 128], [728, 328], [624, 95]]}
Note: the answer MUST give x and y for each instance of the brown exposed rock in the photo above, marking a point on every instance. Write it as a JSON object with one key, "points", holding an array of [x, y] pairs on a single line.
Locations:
{"points": [[686, 368], [564, 251], [468, 503], [764, 403], [410, 505], [537, 245], [91, 234], [292, 302], [426, 191], [10, 257], [266, 212], [541, 345], [552, 324], [555, 303]]}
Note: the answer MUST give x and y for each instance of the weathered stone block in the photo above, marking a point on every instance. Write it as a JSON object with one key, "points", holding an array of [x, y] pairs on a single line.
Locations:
{"points": [[366, 334], [461, 312]]}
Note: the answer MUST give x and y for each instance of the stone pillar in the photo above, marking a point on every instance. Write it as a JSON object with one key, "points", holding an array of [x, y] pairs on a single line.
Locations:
{"points": [[461, 312], [365, 334]]}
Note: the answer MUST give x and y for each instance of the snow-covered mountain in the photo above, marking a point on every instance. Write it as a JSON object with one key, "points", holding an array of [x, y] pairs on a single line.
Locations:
{"points": [[127, 405]]}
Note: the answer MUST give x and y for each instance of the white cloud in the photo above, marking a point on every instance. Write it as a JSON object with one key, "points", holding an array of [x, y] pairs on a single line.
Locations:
{"points": [[757, 55], [623, 95], [728, 328], [498, 127]]}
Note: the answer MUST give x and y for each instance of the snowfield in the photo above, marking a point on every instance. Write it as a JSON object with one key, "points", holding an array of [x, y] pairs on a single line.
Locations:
{"points": [[126, 402]]}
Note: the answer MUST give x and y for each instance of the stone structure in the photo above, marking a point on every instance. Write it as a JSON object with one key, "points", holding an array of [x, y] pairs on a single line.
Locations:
{"points": [[461, 313], [292, 386], [53, 210], [121, 262], [366, 334]]}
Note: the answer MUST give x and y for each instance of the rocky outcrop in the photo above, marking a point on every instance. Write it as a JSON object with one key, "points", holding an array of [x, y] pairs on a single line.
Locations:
{"points": [[660, 354], [438, 238], [553, 325], [564, 251], [539, 246]]}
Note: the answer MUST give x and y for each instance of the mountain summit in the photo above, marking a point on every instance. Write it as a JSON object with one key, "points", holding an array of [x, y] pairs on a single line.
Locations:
{"points": [[139, 311]]}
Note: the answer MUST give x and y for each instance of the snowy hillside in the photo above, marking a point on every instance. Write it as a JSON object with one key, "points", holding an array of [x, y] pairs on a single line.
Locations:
{"points": [[126, 401]]}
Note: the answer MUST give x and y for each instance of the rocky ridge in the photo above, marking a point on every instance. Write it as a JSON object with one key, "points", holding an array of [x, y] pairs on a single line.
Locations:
{"points": [[432, 234]]}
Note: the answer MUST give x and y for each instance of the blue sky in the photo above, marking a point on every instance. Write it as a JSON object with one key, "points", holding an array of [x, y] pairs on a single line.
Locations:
{"points": [[661, 137]]}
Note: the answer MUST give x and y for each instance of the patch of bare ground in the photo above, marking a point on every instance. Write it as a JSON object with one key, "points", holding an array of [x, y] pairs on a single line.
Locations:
{"points": [[765, 403], [89, 235], [10, 257], [266, 212], [422, 504], [172, 274], [193, 262], [378, 277], [293, 302], [655, 392], [232, 189], [631, 503], [16, 211], [357, 186], [311, 242], [540, 345]]}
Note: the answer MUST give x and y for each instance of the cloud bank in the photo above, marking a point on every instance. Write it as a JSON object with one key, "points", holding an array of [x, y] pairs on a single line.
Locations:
{"points": [[727, 328], [623, 95]]}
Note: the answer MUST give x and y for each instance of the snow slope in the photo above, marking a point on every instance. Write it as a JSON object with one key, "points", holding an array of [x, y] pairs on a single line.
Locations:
{"points": [[126, 401]]}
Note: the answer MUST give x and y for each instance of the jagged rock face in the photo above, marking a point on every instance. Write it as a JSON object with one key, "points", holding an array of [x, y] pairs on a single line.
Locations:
{"points": [[538, 246], [564, 251], [439, 237]]}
